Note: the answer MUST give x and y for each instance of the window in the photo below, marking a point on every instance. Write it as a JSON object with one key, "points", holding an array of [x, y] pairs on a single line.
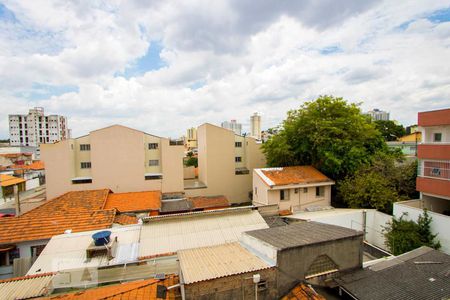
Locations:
{"points": [[437, 137], [238, 159], [85, 147], [153, 177], [86, 165], [238, 144], [153, 162], [7, 257], [284, 195], [36, 250], [262, 285], [320, 191], [435, 172], [305, 190], [296, 191], [81, 181], [152, 146]]}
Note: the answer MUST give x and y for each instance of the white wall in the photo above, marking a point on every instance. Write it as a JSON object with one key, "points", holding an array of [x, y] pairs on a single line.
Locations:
{"points": [[31, 184], [440, 224]]}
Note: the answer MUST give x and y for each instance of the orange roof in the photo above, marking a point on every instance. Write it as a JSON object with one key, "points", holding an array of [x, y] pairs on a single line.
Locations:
{"points": [[14, 155], [125, 220], [37, 165], [209, 202], [141, 289], [292, 175], [78, 211], [7, 180], [303, 292], [135, 201]]}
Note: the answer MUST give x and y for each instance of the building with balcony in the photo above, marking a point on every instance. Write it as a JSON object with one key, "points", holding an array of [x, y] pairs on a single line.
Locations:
{"points": [[36, 128], [433, 178], [116, 157]]}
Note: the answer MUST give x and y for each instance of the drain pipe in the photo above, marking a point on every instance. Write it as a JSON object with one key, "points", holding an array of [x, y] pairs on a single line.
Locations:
{"points": [[364, 223]]}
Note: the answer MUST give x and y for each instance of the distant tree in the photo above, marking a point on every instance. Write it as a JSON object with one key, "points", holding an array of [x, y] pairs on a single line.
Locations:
{"points": [[406, 235], [191, 161], [389, 130], [328, 133]]}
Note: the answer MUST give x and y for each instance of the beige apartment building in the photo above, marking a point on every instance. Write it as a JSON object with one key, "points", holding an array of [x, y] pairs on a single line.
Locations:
{"points": [[295, 188], [116, 157], [225, 164]]}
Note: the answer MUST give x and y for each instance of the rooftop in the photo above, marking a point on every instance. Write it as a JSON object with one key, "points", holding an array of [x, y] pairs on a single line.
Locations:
{"points": [[77, 211], [217, 261], [125, 219], [301, 234], [419, 274], [175, 205], [7, 180], [303, 292], [209, 202], [292, 175], [134, 202], [25, 287]]}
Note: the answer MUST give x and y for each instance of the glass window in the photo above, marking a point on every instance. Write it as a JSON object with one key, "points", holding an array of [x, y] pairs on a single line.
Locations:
{"points": [[152, 146], [85, 147], [238, 144], [86, 165], [437, 137], [153, 162], [320, 191], [238, 159], [284, 195]]}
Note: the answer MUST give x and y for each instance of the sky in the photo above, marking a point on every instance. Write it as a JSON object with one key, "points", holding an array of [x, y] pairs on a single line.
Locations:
{"points": [[165, 66]]}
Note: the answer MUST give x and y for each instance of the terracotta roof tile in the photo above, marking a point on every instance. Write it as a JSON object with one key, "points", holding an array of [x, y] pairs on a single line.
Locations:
{"points": [[141, 289], [78, 211], [125, 220], [36, 165], [294, 175], [303, 292], [7, 180], [135, 201], [209, 202]]}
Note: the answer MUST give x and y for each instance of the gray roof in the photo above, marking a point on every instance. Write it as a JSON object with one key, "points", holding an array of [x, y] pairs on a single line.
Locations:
{"points": [[175, 206], [403, 277], [302, 233]]}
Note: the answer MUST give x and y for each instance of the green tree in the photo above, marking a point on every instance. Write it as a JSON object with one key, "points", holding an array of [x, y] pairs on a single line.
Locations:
{"points": [[328, 133], [406, 235], [191, 161], [389, 130]]}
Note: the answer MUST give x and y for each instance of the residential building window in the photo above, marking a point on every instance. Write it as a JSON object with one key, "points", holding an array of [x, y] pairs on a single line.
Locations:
{"points": [[81, 181], [7, 257], [85, 147], [296, 191], [152, 146], [305, 190], [36, 250], [153, 162], [153, 176], [262, 285], [238, 159], [437, 137], [320, 191], [284, 195], [238, 144], [86, 165]]}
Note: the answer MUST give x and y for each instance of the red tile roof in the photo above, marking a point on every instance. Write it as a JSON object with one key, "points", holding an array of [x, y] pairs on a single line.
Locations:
{"points": [[36, 165], [303, 292], [141, 289], [209, 202], [294, 175], [135, 201], [125, 220], [78, 211], [7, 180]]}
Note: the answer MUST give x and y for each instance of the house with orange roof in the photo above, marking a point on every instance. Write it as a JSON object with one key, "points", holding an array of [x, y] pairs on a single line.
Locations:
{"points": [[136, 203], [7, 184], [296, 188]]}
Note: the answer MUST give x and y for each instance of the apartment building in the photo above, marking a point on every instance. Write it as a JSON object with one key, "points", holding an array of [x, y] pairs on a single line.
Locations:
{"points": [[255, 126], [225, 164], [116, 157], [433, 178], [378, 115], [36, 128], [233, 125], [191, 138]]}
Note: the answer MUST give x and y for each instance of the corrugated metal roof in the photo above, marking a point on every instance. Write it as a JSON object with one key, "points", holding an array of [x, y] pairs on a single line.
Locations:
{"points": [[68, 251], [25, 287], [212, 262], [168, 235]]}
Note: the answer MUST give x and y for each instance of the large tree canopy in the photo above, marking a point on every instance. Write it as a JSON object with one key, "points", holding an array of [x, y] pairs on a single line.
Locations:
{"points": [[389, 130], [328, 133]]}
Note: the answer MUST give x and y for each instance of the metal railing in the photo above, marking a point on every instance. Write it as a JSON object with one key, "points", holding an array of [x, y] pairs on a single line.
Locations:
{"points": [[434, 169]]}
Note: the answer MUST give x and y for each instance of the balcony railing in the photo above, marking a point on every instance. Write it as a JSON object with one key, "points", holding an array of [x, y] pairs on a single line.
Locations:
{"points": [[434, 169]]}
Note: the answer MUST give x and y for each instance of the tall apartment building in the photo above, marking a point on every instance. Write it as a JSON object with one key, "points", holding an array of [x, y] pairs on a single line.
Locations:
{"points": [[191, 138], [36, 128], [225, 164], [233, 125], [255, 126], [433, 178], [378, 115], [116, 157]]}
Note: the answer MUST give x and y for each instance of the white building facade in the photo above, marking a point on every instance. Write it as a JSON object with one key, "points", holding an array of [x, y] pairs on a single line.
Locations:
{"points": [[378, 115], [255, 126], [233, 125], [35, 128]]}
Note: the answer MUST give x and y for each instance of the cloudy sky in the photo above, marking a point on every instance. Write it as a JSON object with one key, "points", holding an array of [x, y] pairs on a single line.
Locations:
{"points": [[164, 66]]}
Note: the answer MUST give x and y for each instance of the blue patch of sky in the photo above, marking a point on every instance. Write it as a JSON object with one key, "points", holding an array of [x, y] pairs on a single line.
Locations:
{"points": [[440, 16], [198, 84], [330, 50], [41, 91], [149, 62], [6, 15]]}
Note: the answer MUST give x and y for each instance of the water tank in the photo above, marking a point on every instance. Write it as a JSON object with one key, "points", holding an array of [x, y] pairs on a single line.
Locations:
{"points": [[101, 238]]}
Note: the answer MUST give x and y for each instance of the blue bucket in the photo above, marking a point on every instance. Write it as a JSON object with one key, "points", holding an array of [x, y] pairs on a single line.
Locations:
{"points": [[102, 238]]}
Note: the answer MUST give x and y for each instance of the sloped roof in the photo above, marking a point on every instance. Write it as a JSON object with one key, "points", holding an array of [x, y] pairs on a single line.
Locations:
{"points": [[419, 274], [303, 292], [134, 201], [8, 180], [125, 220], [78, 211], [209, 201], [206, 263], [36, 165], [141, 289], [25, 287], [292, 175]]}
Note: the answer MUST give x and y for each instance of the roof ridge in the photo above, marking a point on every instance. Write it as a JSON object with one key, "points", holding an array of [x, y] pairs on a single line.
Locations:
{"points": [[145, 283], [27, 277]]}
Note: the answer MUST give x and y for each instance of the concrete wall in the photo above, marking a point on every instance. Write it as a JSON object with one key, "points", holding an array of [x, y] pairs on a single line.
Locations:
{"points": [[294, 263], [119, 158], [31, 184], [189, 172], [234, 287]]}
